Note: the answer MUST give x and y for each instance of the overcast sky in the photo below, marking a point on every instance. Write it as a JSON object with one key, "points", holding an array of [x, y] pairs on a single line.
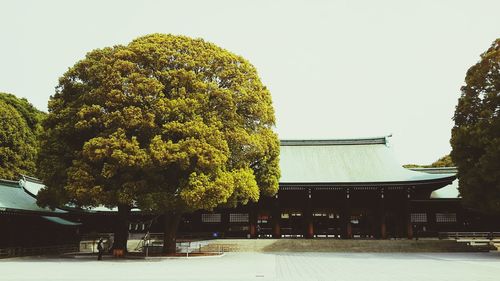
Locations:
{"points": [[335, 68]]}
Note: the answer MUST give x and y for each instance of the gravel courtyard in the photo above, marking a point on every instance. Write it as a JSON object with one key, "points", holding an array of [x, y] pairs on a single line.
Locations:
{"points": [[265, 266]]}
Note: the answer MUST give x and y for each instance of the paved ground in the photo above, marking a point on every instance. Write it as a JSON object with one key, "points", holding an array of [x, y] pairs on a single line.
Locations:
{"points": [[265, 266]]}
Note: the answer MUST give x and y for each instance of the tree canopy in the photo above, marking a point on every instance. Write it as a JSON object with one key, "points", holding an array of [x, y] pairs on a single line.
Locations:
{"points": [[17, 144], [476, 135], [164, 123]]}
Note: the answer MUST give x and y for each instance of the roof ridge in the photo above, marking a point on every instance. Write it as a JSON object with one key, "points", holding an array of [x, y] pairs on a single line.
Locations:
{"points": [[346, 141], [433, 168], [31, 179], [9, 182]]}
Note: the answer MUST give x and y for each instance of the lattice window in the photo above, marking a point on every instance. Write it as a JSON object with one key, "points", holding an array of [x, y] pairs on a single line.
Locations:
{"points": [[319, 214], [238, 217], [446, 217], [418, 217], [211, 217], [136, 226]]}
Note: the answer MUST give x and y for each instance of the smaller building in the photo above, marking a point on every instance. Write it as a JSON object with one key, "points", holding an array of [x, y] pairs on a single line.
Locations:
{"points": [[24, 224]]}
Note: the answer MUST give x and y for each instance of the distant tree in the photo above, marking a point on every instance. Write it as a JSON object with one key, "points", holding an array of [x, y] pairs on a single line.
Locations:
{"points": [[409, 166], [31, 115], [444, 161], [476, 135], [167, 123], [33, 118], [17, 144]]}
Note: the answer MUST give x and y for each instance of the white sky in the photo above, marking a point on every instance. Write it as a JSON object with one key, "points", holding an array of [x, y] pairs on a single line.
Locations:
{"points": [[334, 68]]}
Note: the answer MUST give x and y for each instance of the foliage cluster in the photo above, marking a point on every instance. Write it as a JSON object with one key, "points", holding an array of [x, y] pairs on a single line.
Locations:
{"points": [[18, 143]]}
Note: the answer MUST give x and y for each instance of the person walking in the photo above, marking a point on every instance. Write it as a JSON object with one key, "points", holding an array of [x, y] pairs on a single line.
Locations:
{"points": [[100, 248]]}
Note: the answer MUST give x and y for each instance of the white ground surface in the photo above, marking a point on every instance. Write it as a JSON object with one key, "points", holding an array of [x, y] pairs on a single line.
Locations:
{"points": [[265, 266]]}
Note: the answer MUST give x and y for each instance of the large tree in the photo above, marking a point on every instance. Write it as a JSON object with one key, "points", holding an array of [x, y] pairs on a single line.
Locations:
{"points": [[476, 135], [17, 144], [166, 123]]}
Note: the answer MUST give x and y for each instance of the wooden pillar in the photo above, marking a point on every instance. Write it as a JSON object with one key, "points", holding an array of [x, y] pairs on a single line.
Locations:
{"points": [[276, 218], [407, 212], [345, 217], [252, 220], [431, 219], [308, 215], [461, 218], [225, 222], [381, 213]]}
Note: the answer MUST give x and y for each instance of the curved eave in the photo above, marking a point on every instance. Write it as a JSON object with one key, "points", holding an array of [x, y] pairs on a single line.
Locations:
{"points": [[32, 212], [434, 181], [96, 210]]}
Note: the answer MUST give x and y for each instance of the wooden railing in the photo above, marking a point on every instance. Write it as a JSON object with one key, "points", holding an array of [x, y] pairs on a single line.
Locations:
{"points": [[96, 236], [471, 235], [35, 251], [159, 236]]}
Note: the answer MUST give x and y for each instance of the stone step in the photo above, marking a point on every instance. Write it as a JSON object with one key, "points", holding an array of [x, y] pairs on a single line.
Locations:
{"points": [[331, 245]]}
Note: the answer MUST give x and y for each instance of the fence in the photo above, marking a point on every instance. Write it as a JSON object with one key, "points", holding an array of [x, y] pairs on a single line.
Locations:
{"points": [[152, 243], [471, 235], [184, 247], [36, 251], [148, 243]]}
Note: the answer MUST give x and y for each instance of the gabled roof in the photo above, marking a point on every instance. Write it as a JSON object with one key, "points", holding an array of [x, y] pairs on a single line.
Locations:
{"points": [[366, 160], [14, 197], [31, 185]]}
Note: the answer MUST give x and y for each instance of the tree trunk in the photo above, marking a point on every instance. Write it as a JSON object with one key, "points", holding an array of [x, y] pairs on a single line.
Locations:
{"points": [[171, 223], [121, 228]]}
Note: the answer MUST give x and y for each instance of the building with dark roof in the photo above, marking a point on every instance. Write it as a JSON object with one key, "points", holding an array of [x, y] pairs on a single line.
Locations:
{"points": [[347, 188]]}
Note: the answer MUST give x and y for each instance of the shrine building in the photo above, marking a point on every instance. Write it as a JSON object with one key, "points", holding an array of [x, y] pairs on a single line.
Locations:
{"points": [[340, 188]]}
